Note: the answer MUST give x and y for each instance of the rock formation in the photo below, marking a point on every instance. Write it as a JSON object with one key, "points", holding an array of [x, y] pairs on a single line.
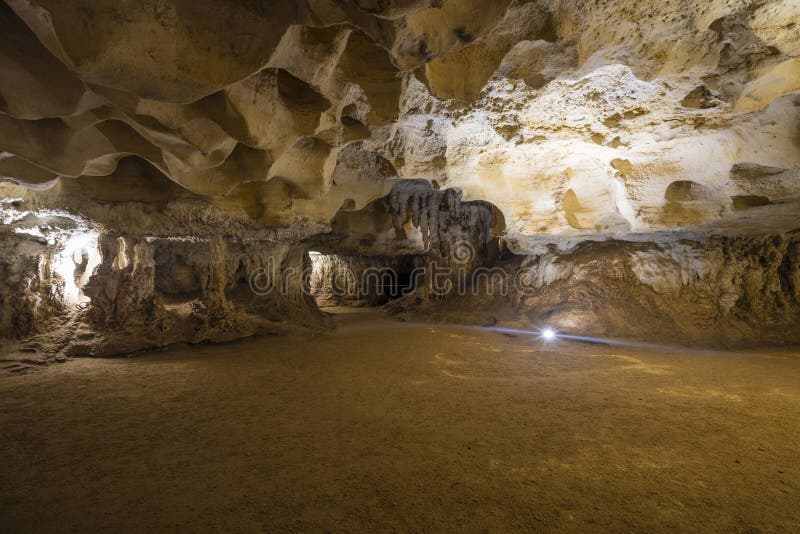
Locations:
{"points": [[639, 162]]}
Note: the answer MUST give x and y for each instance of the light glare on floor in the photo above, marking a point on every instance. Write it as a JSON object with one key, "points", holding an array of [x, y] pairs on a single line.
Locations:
{"points": [[548, 334]]}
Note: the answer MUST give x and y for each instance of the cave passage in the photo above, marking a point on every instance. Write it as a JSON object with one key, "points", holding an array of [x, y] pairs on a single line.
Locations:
{"points": [[362, 281]]}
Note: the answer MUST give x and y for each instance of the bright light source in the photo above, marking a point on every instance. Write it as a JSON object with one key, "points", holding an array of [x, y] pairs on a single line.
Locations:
{"points": [[548, 334], [83, 243]]}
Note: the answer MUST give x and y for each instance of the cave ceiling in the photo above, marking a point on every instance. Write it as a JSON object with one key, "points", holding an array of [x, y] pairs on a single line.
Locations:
{"points": [[577, 120]]}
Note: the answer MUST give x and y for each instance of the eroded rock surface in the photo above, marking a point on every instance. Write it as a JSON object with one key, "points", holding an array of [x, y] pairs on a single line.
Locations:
{"points": [[153, 157]]}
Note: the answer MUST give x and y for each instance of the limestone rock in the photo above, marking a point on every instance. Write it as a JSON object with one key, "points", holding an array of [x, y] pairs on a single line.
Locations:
{"points": [[185, 144]]}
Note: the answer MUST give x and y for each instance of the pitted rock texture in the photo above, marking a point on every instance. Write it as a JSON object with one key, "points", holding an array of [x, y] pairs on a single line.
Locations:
{"points": [[205, 137], [573, 118], [724, 291], [731, 292]]}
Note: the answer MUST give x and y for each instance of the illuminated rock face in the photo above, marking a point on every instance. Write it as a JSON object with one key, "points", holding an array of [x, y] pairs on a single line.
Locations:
{"points": [[209, 136]]}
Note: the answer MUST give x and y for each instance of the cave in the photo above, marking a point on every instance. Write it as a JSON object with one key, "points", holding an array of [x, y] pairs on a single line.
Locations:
{"points": [[362, 281], [399, 265]]}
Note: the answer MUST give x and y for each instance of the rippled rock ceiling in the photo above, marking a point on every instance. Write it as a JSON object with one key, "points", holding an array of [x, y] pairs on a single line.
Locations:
{"points": [[637, 122]]}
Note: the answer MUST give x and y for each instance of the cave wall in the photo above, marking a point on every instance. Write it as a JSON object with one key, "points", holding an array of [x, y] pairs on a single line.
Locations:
{"points": [[719, 291], [641, 157], [25, 299], [154, 290], [185, 271], [167, 292], [725, 291]]}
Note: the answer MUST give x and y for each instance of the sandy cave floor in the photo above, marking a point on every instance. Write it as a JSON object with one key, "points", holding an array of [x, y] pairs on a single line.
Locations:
{"points": [[388, 425]]}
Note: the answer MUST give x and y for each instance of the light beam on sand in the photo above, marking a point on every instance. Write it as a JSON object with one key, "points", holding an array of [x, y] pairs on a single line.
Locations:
{"points": [[558, 336], [550, 335]]}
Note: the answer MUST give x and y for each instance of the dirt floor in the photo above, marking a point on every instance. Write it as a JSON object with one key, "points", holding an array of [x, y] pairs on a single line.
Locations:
{"points": [[383, 425]]}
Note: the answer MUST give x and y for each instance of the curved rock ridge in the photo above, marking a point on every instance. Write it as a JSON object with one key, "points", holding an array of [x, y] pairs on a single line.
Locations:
{"points": [[578, 120], [637, 162]]}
